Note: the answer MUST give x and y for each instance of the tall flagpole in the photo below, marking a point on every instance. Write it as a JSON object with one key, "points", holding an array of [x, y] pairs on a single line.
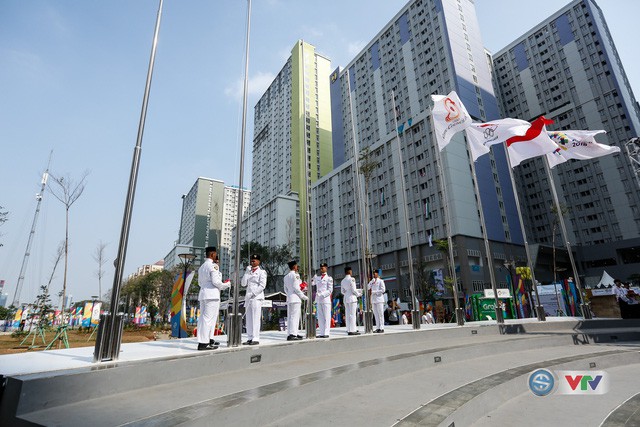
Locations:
{"points": [[360, 199], [108, 341], [539, 308], [487, 246], [415, 312], [311, 320], [586, 312], [235, 318], [443, 188]]}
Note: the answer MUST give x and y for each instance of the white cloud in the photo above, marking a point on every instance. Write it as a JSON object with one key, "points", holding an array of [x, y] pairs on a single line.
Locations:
{"points": [[355, 48], [258, 83]]}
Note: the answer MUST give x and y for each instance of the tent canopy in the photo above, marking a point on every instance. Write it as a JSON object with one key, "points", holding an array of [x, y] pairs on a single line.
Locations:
{"points": [[606, 281]]}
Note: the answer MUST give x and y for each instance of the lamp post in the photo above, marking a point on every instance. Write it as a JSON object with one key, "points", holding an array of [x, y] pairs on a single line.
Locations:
{"points": [[186, 259]]}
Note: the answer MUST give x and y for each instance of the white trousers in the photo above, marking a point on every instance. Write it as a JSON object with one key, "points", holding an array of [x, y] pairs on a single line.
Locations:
{"points": [[293, 317], [253, 311], [209, 310], [350, 309], [378, 313], [324, 318]]}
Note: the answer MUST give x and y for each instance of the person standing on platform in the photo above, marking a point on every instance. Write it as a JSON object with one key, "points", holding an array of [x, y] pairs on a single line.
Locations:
{"points": [[255, 280], [376, 289], [210, 281], [295, 296], [351, 294], [324, 289]]}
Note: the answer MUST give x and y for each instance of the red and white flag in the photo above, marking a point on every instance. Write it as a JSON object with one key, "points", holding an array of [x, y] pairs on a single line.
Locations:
{"points": [[483, 135], [577, 144], [449, 117], [535, 142]]}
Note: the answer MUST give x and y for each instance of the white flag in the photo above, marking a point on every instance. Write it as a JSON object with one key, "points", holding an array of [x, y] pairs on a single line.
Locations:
{"points": [[482, 135], [449, 117], [577, 144], [534, 143]]}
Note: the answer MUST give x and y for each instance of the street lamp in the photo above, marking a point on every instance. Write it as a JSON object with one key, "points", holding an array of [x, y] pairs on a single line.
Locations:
{"points": [[186, 259]]}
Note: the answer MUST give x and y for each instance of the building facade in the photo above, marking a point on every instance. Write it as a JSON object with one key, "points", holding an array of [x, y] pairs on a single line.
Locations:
{"points": [[567, 69], [381, 101], [292, 135], [209, 212]]}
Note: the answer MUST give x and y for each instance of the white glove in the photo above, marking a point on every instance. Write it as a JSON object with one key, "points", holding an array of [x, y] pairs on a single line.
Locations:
{"points": [[305, 298]]}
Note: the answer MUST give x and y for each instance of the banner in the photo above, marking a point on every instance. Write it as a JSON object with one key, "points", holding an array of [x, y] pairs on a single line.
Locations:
{"points": [[449, 117], [95, 314], [535, 142], [577, 144], [86, 316], [483, 135]]}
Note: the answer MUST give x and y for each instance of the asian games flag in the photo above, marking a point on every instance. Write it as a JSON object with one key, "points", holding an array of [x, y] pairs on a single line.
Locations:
{"points": [[483, 135], [449, 117], [535, 142], [577, 144]]}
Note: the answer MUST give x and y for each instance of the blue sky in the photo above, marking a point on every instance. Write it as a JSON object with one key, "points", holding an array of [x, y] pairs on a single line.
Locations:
{"points": [[72, 77]]}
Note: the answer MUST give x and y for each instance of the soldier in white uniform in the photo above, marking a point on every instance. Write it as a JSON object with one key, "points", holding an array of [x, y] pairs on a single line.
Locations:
{"points": [[377, 289], [255, 280], [210, 280], [295, 297], [324, 289], [351, 294]]}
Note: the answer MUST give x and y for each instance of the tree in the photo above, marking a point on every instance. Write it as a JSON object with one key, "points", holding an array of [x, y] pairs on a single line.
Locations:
{"points": [[634, 278], [67, 191], [42, 306], [153, 290], [425, 282], [3, 218], [442, 245], [272, 259], [98, 255]]}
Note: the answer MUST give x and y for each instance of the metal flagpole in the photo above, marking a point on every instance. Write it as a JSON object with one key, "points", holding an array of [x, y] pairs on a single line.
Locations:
{"points": [[367, 315], [539, 309], [415, 312], [586, 312], [235, 318], [109, 349], [443, 187], [311, 319], [487, 247]]}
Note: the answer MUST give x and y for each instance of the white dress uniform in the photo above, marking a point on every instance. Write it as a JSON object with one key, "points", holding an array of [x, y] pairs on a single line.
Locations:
{"points": [[295, 296], [376, 286], [255, 280], [210, 280], [324, 289], [351, 294]]}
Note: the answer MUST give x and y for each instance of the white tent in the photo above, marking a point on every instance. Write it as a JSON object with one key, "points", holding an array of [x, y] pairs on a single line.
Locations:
{"points": [[606, 281]]}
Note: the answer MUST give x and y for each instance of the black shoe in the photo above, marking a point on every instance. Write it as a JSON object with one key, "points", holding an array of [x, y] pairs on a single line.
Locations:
{"points": [[300, 337], [213, 342], [292, 338], [254, 343], [322, 336], [247, 343], [378, 331], [353, 333], [206, 346]]}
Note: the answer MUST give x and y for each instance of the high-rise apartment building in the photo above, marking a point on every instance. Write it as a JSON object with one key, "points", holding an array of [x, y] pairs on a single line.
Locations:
{"points": [[567, 69], [229, 221], [292, 134], [429, 47], [208, 218]]}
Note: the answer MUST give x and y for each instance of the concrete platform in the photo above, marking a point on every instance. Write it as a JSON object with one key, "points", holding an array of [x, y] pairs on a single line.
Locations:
{"points": [[379, 379]]}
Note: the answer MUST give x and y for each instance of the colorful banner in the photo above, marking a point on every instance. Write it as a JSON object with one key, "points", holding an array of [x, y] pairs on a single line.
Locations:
{"points": [[95, 314], [136, 317], [17, 318], [86, 316]]}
